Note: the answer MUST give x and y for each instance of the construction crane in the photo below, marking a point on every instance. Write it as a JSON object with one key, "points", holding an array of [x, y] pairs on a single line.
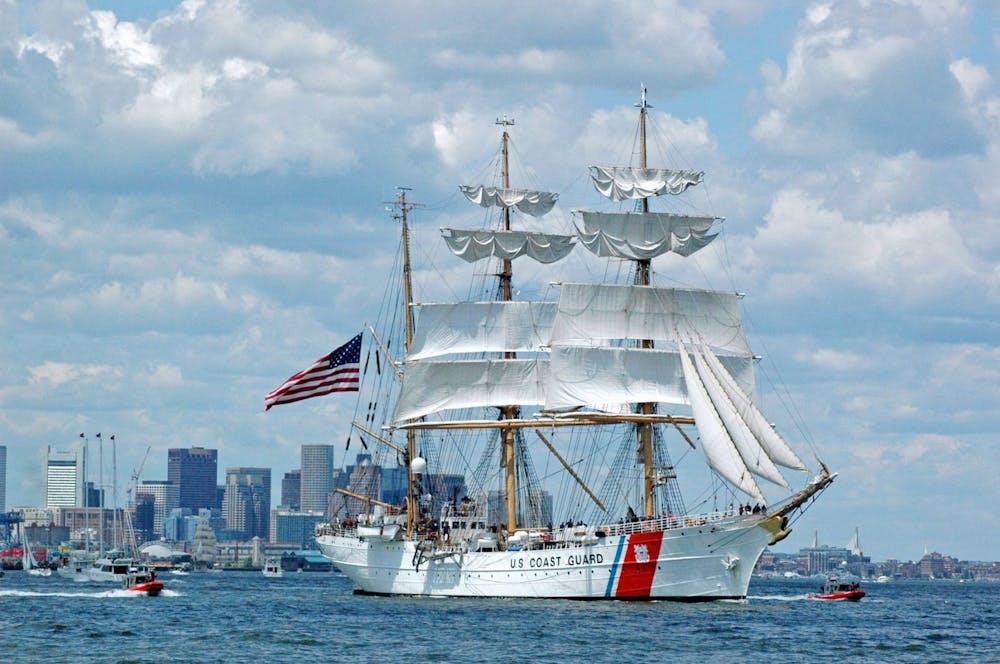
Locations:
{"points": [[133, 484]]}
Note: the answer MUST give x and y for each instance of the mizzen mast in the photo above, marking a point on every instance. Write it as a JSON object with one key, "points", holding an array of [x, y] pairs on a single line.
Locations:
{"points": [[643, 279], [401, 209]]}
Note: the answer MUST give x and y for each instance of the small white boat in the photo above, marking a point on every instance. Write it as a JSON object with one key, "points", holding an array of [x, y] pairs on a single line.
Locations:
{"points": [[272, 568]]}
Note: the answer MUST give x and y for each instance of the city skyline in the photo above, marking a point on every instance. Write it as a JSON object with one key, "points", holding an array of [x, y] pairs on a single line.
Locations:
{"points": [[193, 208]]}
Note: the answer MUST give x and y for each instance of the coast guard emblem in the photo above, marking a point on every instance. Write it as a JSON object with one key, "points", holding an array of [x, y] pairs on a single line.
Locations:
{"points": [[641, 553]]}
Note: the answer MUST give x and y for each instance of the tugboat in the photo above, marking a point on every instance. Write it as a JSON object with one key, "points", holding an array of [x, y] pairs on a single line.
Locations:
{"points": [[835, 589], [142, 581]]}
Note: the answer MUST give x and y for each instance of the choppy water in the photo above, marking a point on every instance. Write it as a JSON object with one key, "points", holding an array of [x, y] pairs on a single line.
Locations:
{"points": [[315, 617]]}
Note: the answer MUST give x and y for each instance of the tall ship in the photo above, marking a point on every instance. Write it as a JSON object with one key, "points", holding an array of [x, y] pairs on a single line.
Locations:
{"points": [[535, 434]]}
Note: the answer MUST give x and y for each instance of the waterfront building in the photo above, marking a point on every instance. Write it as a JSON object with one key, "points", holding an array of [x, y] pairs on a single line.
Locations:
{"points": [[294, 527], [62, 477], [3, 479], [316, 477], [246, 504], [166, 496], [537, 507], [195, 472], [291, 489]]}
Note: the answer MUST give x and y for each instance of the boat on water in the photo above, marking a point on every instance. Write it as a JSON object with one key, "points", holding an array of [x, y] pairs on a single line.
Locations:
{"points": [[142, 581], [116, 570], [839, 590], [30, 564], [272, 568], [596, 381]]}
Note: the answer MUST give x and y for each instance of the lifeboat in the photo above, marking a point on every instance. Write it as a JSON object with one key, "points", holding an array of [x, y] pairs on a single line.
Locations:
{"points": [[143, 583], [837, 590]]}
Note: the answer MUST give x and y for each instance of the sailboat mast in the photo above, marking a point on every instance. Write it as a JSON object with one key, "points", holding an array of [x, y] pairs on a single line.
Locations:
{"points": [[412, 511], [509, 412], [643, 279]]}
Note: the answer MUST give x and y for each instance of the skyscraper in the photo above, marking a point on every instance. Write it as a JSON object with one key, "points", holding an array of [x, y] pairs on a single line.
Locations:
{"points": [[62, 478], [3, 479], [165, 497], [195, 472], [317, 477], [246, 504], [291, 489]]}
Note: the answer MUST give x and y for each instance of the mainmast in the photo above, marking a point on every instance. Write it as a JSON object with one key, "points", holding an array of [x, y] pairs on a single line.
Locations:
{"points": [[402, 210], [645, 431], [509, 412]]}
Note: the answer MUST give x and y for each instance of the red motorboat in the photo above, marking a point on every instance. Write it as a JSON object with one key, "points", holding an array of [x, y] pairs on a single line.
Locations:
{"points": [[143, 583], [837, 590]]}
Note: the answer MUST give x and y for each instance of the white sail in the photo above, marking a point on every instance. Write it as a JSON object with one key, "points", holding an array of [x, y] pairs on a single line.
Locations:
{"points": [[610, 379], [644, 235], [430, 387], [474, 245], [620, 183], [481, 327], [719, 449], [533, 203], [591, 314], [753, 455], [776, 448]]}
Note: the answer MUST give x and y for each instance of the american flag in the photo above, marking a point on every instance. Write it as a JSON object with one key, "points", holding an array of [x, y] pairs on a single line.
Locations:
{"points": [[336, 372]]}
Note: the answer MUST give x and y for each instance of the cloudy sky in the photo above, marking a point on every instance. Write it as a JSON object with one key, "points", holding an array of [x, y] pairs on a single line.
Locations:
{"points": [[192, 208]]}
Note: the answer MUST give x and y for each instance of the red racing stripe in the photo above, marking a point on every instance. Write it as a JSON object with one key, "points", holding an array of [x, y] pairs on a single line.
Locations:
{"points": [[639, 567]]}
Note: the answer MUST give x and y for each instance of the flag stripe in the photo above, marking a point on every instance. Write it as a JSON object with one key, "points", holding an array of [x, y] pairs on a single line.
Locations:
{"points": [[338, 371]]}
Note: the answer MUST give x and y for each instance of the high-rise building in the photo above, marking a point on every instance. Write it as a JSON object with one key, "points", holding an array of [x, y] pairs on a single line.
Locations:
{"points": [[195, 472], [3, 479], [291, 489], [165, 498], [62, 478], [317, 477], [246, 504]]}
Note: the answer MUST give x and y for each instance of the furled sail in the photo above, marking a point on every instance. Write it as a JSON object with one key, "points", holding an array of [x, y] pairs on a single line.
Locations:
{"points": [[533, 203], [605, 378], [754, 456], [720, 451], [474, 245], [591, 314], [429, 387], [481, 327], [644, 235], [776, 448], [620, 183]]}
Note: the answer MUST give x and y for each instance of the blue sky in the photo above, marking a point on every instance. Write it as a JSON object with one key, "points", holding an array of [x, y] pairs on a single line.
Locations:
{"points": [[191, 209]]}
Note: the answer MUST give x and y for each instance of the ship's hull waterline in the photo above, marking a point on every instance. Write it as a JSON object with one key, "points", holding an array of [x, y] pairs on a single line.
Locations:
{"points": [[697, 563]]}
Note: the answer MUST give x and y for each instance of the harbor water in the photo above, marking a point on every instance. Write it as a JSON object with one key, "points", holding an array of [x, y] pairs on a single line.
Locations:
{"points": [[315, 617]]}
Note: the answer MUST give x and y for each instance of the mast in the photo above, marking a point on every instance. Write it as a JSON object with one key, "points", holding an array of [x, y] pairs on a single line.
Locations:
{"points": [[645, 430], [403, 207], [508, 412]]}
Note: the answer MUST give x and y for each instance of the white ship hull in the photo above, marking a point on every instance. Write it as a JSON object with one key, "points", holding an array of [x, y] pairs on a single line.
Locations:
{"points": [[706, 562]]}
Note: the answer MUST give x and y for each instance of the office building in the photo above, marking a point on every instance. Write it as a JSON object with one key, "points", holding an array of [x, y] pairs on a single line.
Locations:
{"points": [[291, 489], [166, 496], [195, 472], [316, 477], [246, 503], [293, 527], [62, 478]]}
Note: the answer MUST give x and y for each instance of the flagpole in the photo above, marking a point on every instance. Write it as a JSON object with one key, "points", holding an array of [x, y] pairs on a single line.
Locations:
{"points": [[100, 494], [114, 493]]}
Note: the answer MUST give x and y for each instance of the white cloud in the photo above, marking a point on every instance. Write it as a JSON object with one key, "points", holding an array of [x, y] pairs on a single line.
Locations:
{"points": [[975, 79], [54, 374]]}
